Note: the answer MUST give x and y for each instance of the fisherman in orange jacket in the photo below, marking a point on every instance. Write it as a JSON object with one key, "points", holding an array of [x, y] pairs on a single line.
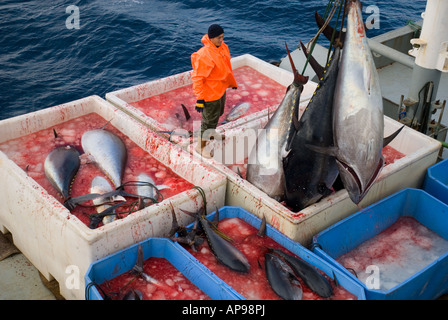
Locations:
{"points": [[212, 75]]}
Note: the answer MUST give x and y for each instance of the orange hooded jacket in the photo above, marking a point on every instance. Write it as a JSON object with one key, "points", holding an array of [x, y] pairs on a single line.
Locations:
{"points": [[212, 72]]}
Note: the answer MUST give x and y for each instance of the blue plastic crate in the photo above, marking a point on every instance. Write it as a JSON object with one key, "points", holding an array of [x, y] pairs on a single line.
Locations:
{"points": [[436, 181], [345, 281], [124, 260], [428, 283]]}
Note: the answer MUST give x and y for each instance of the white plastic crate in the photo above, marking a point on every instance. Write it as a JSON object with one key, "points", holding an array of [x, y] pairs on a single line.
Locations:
{"points": [[408, 172], [124, 98], [59, 244]]}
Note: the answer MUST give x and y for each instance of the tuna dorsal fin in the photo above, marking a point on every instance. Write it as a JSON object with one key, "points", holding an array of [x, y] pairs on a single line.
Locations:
{"points": [[262, 231], [187, 114], [318, 69], [103, 127], [328, 31], [298, 78], [388, 139], [239, 172]]}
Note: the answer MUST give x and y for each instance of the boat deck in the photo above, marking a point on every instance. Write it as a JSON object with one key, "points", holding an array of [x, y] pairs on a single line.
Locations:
{"points": [[20, 280]]}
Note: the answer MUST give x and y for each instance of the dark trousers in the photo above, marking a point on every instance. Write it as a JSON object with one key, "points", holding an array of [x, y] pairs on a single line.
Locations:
{"points": [[210, 116]]}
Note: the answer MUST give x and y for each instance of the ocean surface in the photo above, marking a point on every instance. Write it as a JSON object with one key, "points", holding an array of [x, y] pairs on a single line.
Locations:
{"points": [[52, 52]]}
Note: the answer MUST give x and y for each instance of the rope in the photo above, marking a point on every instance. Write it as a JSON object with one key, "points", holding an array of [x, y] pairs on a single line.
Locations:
{"points": [[313, 40], [327, 21]]}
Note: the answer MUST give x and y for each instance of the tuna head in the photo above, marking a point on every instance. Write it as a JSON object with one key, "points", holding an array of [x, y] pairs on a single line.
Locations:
{"points": [[358, 120]]}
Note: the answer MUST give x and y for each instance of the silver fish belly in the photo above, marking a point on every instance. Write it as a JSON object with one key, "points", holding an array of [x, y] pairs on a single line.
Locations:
{"points": [[61, 166], [264, 168], [109, 153]]}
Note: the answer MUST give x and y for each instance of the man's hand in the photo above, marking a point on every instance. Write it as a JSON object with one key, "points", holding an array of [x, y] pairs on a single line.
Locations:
{"points": [[200, 105]]}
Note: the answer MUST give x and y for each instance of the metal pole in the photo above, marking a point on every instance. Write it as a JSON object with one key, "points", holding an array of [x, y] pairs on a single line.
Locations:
{"points": [[431, 56]]}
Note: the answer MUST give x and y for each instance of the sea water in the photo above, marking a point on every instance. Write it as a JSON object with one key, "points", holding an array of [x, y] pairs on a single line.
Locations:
{"points": [[53, 52]]}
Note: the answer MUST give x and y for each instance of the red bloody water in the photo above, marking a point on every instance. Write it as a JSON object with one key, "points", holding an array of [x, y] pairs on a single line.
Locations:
{"points": [[253, 87], [254, 285], [173, 285], [391, 155], [29, 153], [399, 251]]}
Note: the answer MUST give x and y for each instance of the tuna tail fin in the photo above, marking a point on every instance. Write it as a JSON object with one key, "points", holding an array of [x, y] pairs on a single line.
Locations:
{"points": [[388, 139], [318, 69], [298, 78], [328, 31]]}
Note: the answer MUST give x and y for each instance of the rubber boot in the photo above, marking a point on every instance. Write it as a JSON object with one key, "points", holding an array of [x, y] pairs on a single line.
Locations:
{"points": [[200, 148], [217, 136]]}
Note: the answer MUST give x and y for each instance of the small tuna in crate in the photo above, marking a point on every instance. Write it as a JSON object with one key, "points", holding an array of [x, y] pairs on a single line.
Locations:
{"points": [[259, 264], [94, 169]]}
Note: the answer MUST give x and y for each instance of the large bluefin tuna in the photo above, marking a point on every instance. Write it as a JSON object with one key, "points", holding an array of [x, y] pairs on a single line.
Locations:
{"points": [[309, 175], [108, 151], [61, 166], [358, 120], [264, 168]]}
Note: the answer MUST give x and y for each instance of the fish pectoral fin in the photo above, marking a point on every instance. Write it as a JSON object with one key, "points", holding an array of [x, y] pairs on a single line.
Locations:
{"points": [[331, 151], [388, 139], [285, 153], [324, 190]]}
